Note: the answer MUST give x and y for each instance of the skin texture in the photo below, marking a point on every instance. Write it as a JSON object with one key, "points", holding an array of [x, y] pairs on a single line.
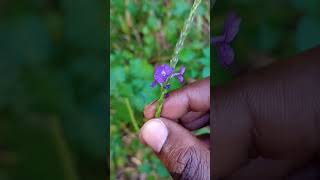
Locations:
{"points": [[185, 155], [264, 125]]}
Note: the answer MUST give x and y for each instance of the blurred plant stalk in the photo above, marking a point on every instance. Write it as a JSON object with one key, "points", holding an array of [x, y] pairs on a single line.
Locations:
{"points": [[64, 152], [131, 114]]}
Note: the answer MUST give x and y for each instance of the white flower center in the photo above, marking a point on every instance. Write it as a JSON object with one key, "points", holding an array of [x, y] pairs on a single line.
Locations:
{"points": [[163, 73]]}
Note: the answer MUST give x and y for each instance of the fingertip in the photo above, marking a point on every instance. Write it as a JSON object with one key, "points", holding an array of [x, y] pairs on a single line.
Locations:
{"points": [[154, 134], [181, 150]]}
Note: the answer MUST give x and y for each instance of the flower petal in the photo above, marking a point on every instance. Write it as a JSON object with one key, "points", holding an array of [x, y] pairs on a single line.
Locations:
{"points": [[218, 39], [225, 54], [175, 74], [182, 70], [168, 69], [162, 72], [180, 78], [153, 84], [231, 27]]}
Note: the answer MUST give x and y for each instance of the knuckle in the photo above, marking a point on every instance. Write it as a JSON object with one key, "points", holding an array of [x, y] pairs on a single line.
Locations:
{"points": [[190, 164]]}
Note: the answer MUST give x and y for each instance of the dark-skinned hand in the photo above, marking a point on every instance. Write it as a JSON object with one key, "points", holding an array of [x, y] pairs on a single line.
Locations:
{"points": [[264, 125]]}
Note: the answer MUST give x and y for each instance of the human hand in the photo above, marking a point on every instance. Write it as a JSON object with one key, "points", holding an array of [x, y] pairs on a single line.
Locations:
{"points": [[184, 155], [266, 124]]}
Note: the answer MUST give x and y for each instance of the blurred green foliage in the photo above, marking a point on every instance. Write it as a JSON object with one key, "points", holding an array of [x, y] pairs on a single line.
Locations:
{"points": [[269, 30], [143, 34], [52, 94]]}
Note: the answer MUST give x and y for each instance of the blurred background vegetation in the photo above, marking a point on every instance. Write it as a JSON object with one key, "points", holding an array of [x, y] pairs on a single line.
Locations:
{"points": [[52, 90], [143, 34], [52, 75], [269, 30]]}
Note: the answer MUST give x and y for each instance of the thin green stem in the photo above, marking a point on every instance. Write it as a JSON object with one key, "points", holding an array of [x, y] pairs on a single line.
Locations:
{"points": [[175, 56], [184, 33], [160, 103], [63, 150], [132, 118]]}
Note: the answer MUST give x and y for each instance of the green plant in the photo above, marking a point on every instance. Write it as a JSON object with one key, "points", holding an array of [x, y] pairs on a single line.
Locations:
{"points": [[144, 33]]}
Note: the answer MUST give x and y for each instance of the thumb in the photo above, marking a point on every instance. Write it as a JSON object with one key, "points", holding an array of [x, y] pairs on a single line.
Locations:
{"points": [[185, 156]]}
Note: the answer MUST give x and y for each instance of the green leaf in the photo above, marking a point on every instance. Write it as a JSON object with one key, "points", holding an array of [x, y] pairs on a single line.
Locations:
{"points": [[219, 74], [145, 30], [117, 76], [206, 52], [162, 171], [310, 7], [170, 31], [206, 72], [121, 113], [138, 102], [196, 45], [139, 68], [269, 37], [153, 23], [187, 55], [145, 167], [204, 130], [205, 61], [181, 8], [27, 39], [124, 90], [308, 33], [149, 40], [132, 7]]}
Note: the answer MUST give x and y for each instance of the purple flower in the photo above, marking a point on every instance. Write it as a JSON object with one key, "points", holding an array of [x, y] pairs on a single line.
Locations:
{"points": [[180, 74], [224, 50], [163, 72]]}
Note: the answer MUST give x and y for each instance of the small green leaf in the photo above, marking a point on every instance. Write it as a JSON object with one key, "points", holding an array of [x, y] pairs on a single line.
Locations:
{"points": [[181, 8], [145, 167], [308, 33], [206, 72], [187, 55], [206, 52], [145, 30], [153, 23], [140, 69], [149, 40], [162, 171], [117, 76]]}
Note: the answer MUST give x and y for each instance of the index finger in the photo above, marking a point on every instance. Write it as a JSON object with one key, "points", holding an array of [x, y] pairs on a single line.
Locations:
{"points": [[193, 97]]}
